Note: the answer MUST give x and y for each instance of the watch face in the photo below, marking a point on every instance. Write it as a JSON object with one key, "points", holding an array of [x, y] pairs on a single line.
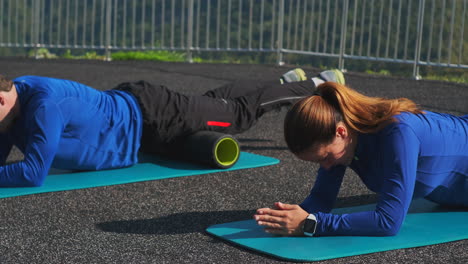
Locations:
{"points": [[310, 225]]}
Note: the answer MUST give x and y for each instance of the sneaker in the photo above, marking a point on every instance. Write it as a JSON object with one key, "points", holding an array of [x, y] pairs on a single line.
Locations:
{"points": [[332, 76], [295, 75]]}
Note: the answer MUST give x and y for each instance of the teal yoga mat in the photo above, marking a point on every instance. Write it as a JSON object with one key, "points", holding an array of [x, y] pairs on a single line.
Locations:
{"points": [[426, 224], [149, 168]]}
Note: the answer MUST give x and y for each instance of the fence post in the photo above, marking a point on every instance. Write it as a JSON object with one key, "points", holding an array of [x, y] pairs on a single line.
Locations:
{"points": [[190, 32], [280, 32], [37, 20], [417, 55], [344, 24], [108, 30]]}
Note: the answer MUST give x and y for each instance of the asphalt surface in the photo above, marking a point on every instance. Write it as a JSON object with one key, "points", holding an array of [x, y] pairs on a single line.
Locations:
{"points": [[164, 221]]}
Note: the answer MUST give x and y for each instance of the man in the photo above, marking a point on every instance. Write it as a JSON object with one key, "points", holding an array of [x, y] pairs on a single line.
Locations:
{"points": [[67, 125]]}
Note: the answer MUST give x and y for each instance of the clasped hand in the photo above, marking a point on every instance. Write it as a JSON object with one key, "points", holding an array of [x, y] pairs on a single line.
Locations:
{"points": [[283, 219]]}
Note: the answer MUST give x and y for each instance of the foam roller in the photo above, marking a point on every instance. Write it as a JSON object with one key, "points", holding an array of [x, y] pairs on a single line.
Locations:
{"points": [[212, 148]]}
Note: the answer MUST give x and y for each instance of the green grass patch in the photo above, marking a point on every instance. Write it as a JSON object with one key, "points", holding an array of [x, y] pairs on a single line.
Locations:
{"points": [[456, 79], [159, 55], [89, 55], [381, 72]]}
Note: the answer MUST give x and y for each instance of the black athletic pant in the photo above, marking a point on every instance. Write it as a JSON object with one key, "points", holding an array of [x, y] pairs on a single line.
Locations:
{"points": [[231, 109]]}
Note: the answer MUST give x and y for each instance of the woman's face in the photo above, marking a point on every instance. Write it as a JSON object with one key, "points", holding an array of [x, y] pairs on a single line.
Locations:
{"points": [[339, 152], [8, 109]]}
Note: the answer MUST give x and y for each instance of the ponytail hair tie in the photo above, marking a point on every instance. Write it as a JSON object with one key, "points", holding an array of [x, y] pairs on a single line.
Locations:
{"points": [[317, 92]]}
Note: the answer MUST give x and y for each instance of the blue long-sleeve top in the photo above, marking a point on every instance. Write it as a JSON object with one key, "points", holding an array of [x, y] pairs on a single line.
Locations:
{"points": [[68, 125], [421, 155]]}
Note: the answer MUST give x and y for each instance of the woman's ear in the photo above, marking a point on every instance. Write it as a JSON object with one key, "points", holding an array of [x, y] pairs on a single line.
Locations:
{"points": [[2, 98], [341, 130]]}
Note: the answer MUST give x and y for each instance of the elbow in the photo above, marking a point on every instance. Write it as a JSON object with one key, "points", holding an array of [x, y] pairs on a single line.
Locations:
{"points": [[389, 231], [37, 184], [34, 174], [22, 174], [34, 182], [22, 182], [389, 226], [34, 179]]}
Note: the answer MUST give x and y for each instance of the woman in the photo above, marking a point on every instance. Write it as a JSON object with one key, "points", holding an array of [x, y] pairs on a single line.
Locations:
{"points": [[398, 151]]}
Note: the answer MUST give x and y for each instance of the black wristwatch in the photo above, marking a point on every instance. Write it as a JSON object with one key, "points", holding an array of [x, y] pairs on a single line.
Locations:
{"points": [[310, 225]]}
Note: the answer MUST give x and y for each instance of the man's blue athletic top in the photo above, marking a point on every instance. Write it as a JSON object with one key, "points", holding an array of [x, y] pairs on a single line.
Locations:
{"points": [[68, 125], [423, 155]]}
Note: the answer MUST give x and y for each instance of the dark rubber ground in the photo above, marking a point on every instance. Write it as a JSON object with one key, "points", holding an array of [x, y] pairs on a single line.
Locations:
{"points": [[164, 221]]}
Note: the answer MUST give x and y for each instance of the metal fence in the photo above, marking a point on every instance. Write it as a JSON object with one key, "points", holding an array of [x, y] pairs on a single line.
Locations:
{"points": [[417, 32]]}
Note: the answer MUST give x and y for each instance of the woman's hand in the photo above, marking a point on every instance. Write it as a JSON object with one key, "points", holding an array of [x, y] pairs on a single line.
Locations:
{"points": [[284, 219]]}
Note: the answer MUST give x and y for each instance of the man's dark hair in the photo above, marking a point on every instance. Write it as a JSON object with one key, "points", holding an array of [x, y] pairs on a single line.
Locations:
{"points": [[5, 83]]}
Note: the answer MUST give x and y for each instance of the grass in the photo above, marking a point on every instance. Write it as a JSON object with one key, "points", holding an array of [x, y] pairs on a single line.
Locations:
{"points": [[160, 55], [381, 72], [448, 78]]}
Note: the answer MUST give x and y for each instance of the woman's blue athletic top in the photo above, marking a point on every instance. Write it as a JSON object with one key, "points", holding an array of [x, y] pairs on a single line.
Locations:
{"points": [[68, 125], [423, 155]]}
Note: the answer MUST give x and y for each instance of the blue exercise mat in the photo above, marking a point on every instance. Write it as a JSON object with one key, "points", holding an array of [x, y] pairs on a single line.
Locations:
{"points": [[426, 224], [149, 168]]}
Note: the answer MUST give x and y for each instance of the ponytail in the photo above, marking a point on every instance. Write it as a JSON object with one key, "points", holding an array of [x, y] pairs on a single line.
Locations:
{"points": [[314, 119]]}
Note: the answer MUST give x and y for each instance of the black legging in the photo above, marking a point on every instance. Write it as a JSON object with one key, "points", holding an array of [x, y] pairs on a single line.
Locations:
{"points": [[231, 109]]}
